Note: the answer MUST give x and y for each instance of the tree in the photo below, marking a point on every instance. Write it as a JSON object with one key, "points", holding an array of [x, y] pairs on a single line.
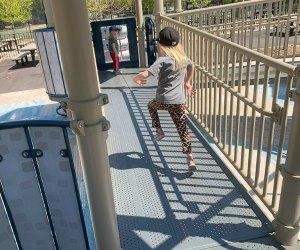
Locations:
{"points": [[13, 11], [38, 12], [97, 8]]}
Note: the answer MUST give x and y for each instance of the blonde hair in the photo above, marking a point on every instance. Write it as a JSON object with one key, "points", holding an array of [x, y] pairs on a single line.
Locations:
{"points": [[176, 52]]}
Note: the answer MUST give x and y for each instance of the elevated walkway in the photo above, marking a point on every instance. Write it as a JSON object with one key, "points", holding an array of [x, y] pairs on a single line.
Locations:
{"points": [[159, 204]]}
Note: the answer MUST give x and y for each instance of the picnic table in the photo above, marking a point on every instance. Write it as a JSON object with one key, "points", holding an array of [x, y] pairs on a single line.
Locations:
{"points": [[10, 40], [31, 48]]}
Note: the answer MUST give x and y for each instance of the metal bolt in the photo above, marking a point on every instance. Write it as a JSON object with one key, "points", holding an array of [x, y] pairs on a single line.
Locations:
{"points": [[80, 124], [105, 100], [25, 154], [104, 127], [63, 105], [38, 153]]}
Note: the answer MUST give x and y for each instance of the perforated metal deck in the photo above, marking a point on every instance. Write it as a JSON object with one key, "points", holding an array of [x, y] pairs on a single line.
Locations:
{"points": [[159, 204]]}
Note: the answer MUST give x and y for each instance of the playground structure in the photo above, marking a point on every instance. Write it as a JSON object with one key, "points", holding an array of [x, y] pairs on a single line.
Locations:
{"points": [[239, 102]]}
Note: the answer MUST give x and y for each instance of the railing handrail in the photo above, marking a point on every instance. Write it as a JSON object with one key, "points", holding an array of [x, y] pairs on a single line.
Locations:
{"points": [[229, 73], [221, 7], [267, 60], [34, 123]]}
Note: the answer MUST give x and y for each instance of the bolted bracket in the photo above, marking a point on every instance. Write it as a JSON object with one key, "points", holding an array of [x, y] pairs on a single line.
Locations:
{"points": [[142, 28], [98, 102], [278, 111], [276, 223], [281, 167], [79, 128], [34, 153]]}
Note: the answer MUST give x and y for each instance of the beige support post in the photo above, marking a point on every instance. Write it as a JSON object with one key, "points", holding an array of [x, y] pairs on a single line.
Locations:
{"points": [[288, 217], [90, 126], [177, 6], [159, 10], [48, 12], [141, 35]]}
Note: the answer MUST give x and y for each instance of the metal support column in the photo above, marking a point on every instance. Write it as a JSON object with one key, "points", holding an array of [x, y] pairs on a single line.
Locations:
{"points": [[140, 29], [85, 103], [288, 216], [158, 10], [48, 12], [177, 6]]}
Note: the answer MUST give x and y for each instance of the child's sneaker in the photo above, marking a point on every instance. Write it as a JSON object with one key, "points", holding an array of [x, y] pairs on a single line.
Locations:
{"points": [[159, 135], [191, 163]]}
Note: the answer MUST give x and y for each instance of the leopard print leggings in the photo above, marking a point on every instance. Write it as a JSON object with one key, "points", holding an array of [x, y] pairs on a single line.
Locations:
{"points": [[177, 113]]}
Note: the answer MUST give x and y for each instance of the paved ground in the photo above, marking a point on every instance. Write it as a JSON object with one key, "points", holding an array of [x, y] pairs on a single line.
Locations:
{"points": [[14, 79]]}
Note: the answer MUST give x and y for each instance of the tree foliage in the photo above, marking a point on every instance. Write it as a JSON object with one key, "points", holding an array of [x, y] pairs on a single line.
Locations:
{"points": [[13, 11], [38, 12], [97, 8]]}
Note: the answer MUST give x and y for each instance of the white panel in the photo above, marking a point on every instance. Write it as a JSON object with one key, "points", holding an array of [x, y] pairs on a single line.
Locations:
{"points": [[44, 61], [54, 63]]}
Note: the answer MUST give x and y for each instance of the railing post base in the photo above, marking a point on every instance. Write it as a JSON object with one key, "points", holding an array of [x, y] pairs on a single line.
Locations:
{"points": [[286, 235], [287, 221]]}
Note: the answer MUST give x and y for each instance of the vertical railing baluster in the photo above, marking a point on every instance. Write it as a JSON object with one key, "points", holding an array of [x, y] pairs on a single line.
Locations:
{"points": [[220, 92], [281, 139], [238, 105], [244, 138], [253, 118], [232, 85], [262, 126], [210, 70], [226, 63], [271, 134]]}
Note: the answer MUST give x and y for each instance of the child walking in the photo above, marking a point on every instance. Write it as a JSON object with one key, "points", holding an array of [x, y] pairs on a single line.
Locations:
{"points": [[113, 46], [174, 70]]}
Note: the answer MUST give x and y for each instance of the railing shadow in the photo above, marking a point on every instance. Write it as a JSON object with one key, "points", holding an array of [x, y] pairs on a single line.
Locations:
{"points": [[195, 206]]}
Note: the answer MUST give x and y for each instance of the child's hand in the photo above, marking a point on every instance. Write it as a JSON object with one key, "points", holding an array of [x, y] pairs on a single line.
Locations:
{"points": [[141, 82], [190, 89], [140, 78]]}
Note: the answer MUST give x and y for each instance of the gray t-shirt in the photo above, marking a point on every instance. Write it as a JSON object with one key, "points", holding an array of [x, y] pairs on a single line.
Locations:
{"points": [[170, 89]]}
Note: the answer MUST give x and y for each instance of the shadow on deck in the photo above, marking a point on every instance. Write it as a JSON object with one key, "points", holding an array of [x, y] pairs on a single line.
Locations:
{"points": [[159, 204]]}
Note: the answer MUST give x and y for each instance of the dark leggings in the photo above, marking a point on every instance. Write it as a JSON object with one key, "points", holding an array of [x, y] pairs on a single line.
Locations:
{"points": [[177, 113]]}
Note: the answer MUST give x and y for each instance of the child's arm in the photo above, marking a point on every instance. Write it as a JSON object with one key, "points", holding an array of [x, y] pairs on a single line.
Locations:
{"points": [[189, 74], [140, 78]]}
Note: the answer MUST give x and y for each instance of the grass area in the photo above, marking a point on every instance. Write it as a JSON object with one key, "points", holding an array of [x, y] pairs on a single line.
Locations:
{"points": [[22, 29]]}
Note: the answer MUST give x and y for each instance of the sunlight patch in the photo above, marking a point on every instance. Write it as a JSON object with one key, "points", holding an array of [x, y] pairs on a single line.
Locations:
{"points": [[152, 239]]}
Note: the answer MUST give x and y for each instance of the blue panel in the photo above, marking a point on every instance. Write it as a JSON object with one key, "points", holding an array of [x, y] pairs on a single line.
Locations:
{"points": [[8, 232], [132, 41], [58, 181], [22, 190]]}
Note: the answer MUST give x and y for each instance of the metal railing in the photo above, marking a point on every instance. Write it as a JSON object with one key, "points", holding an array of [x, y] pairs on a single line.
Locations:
{"points": [[242, 101], [270, 27], [11, 43]]}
